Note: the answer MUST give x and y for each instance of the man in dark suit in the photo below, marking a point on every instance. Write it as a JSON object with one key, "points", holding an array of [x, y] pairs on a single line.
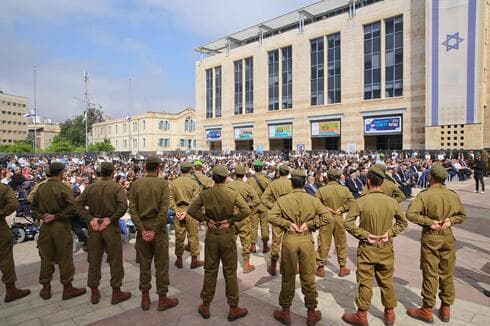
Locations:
{"points": [[352, 184], [310, 186]]}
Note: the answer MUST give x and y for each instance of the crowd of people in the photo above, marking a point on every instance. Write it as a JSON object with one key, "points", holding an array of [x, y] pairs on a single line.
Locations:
{"points": [[285, 197]]}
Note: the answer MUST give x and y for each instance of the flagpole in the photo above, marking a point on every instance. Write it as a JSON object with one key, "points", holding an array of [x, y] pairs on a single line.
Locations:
{"points": [[86, 110], [35, 111], [129, 120]]}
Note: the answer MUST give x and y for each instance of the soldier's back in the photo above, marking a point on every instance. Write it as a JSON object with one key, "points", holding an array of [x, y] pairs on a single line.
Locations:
{"points": [[439, 202]]}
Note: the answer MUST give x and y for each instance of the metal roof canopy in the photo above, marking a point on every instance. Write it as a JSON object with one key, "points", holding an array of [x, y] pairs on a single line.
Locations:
{"points": [[275, 24]]}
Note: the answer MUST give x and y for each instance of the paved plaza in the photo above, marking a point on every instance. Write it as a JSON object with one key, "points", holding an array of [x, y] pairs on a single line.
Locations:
{"points": [[259, 291]]}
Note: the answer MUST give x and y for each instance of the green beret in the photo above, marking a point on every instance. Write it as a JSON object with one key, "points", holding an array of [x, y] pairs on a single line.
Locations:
{"points": [[380, 166], [438, 172], [151, 160], [241, 170], [220, 170], [258, 163], [197, 163], [377, 171], [283, 168], [186, 165], [332, 174], [56, 167], [107, 166], [298, 173]]}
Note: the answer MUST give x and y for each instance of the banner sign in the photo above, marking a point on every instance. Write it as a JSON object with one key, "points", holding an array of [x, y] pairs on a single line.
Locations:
{"points": [[213, 134], [325, 128], [383, 125], [281, 131], [244, 133]]}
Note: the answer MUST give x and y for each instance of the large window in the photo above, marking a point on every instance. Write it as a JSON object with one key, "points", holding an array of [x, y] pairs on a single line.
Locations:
{"points": [[394, 57], [317, 86], [238, 86], [209, 93], [190, 124], [217, 92], [274, 80], [372, 61], [164, 142], [333, 66], [287, 77], [249, 85], [164, 125]]}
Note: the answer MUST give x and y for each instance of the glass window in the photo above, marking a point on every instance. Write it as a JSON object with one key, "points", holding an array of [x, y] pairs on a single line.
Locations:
{"points": [[273, 80], [238, 86], [372, 61], [249, 85], [217, 92], [209, 93], [394, 56], [317, 73], [287, 77], [334, 68]]}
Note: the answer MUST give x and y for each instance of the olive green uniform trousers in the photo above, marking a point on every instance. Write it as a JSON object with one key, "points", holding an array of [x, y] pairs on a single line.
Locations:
{"points": [[189, 227], [156, 250], [438, 263], [375, 262], [242, 230], [337, 230], [277, 233], [110, 241], [55, 245], [259, 217], [298, 249], [7, 265], [220, 245]]}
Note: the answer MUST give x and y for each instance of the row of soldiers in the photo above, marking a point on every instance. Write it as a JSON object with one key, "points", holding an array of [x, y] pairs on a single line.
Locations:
{"points": [[237, 208]]}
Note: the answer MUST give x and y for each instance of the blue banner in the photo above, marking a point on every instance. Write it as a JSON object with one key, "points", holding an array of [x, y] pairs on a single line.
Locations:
{"points": [[213, 134], [383, 125]]}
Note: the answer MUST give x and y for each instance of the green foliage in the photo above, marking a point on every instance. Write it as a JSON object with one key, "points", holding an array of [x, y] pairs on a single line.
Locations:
{"points": [[74, 129], [18, 147], [104, 146], [60, 145]]}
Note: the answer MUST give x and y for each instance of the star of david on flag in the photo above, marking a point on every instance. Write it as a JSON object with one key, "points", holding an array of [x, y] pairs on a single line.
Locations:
{"points": [[452, 41]]}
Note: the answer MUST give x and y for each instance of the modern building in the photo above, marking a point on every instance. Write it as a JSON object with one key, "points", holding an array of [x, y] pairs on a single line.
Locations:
{"points": [[149, 132], [45, 132], [349, 75], [13, 124]]}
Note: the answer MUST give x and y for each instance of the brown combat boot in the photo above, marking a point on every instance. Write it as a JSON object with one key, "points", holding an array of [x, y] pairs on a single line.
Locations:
{"points": [[253, 248], [343, 271], [247, 267], [445, 312], [119, 296], [145, 300], [165, 302], [13, 293], [357, 319], [313, 317], [389, 316], [45, 292], [195, 263], [94, 296], [178, 262], [265, 246], [70, 292], [284, 316], [236, 313], [423, 314], [272, 268], [320, 271], [204, 310]]}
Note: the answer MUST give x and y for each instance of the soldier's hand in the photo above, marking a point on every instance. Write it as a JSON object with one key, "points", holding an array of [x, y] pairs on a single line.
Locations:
{"points": [[212, 225], [384, 238], [294, 228], [372, 239], [94, 224], [104, 224], [224, 224], [303, 228], [181, 215], [446, 224], [148, 236], [435, 225], [48, 218]]}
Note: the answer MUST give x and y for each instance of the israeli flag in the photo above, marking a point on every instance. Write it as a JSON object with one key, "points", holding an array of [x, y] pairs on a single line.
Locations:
{"points": [[453, 28], [128, 118], [29, 115]]}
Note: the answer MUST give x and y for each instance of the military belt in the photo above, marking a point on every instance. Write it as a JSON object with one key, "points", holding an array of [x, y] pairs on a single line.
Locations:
{"points": [[437, 232], [298, 234], [222, 231], [378, 244]]}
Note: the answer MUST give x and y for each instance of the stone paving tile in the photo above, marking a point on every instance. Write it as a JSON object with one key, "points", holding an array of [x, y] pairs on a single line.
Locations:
{"points": [[97, 315]]}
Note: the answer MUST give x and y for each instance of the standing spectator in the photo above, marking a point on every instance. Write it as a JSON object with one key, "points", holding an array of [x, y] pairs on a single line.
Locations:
{"points": [[480, 171], [310, 186]]}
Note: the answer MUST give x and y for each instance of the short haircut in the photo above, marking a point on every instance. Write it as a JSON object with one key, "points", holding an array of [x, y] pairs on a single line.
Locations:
{"points": [[239, 176], [375, 179], [185, 170], [331, 178], [257, 168], [106, 173], [218, 179], [283, 173], [152, 167], [298, 182]]}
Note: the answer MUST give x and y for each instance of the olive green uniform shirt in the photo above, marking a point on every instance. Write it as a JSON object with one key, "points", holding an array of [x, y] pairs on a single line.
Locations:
{"points": [[183, 190], [8, 204], [246, 191], [53, 197], [275, 190], [336, 196], [376, 212], [105, 198], [203, 181], [257, 179], [391, 189]]}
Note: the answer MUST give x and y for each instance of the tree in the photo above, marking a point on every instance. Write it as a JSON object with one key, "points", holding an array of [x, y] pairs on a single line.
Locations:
{"points": [[17, 147], [74, 129], [104, 146], [60, 145]]}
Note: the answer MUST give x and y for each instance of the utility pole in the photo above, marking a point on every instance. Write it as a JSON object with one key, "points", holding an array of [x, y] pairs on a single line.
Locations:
{"points": [[35, 111], [86, 110]]}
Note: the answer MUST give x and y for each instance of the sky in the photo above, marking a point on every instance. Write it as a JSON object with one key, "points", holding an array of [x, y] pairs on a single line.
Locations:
{"points": [[151, 42]]}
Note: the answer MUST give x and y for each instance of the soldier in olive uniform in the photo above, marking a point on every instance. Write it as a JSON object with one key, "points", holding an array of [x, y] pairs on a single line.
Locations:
{"points": [[53, 204], [389, 186], [436, 209], [8, 205], [338, 200], [298, 214], [276, 189], [148, 204], [182, 191], [243, 227], [204, 181], [220, 244], [107, 203], [259, 183], [375, 257]]}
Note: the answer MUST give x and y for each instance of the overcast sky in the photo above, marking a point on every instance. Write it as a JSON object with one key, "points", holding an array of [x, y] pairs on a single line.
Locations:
{"points": [[149, 41]]}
